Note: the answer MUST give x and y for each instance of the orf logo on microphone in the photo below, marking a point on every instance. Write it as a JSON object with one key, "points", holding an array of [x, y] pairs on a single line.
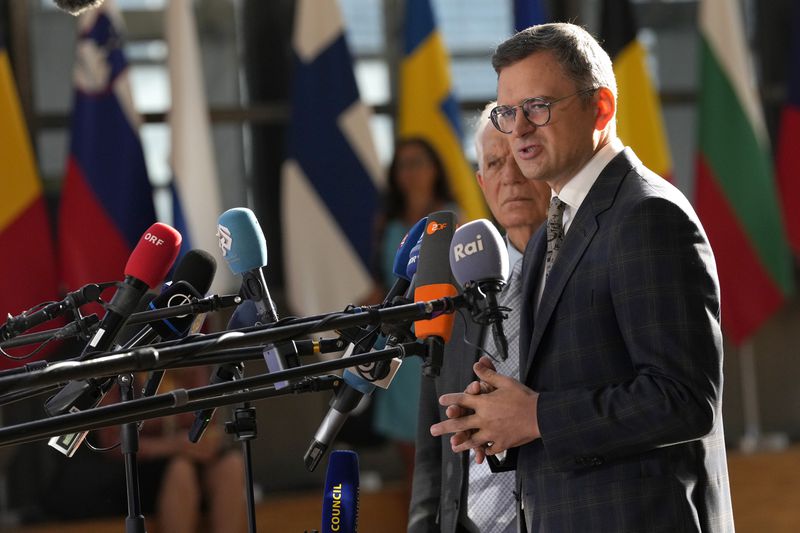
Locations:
{"points": [[462, 250], [434, 226], [225, 239], [149, 237]]}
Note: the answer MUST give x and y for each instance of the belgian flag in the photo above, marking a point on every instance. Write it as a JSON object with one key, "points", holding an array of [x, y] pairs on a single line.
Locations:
{"points": [[27, 272], [639, 121]]}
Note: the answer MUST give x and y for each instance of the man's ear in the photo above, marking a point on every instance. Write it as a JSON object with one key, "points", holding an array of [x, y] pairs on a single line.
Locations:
{"points": [[605, 108]]}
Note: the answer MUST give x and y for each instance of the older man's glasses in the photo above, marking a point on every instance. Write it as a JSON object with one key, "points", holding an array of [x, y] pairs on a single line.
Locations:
{"points": [[536, 111]]}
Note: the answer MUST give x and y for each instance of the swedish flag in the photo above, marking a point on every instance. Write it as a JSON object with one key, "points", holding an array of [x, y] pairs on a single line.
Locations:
{"points": [[428, 108]]}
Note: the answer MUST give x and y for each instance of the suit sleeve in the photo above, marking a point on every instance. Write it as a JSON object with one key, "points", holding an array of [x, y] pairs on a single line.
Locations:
{"points": [[427, 483], [664, 292]]}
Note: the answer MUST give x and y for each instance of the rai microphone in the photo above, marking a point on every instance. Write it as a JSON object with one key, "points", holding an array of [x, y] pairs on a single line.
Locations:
{"points": [[355, 387], [340, 499], [244, 249], [479, 258], [146, 267], [434, 280]]}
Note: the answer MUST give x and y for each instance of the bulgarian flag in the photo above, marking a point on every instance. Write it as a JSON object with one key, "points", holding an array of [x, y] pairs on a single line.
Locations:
{"points": [[639, 121], [735, 189], [27, 272], [788, 156]]}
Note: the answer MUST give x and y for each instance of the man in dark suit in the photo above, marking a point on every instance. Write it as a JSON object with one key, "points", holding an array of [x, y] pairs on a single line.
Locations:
{"points": [[451, 493], [615, 425]]}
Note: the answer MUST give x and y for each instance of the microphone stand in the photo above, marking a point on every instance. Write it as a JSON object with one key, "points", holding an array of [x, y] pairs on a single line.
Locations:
{"points": [[129, 438], [244, 429], [183, 401]]}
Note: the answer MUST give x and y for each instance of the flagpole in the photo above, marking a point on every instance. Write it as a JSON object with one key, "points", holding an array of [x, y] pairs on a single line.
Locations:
{"points": [[753, 439]]}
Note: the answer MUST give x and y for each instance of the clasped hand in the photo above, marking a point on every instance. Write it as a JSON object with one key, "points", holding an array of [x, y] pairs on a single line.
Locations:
{"points": [[497, 409]]}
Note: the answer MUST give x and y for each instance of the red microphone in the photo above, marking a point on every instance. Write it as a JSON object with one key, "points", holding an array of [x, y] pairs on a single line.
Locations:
{"points": [[146, 268]]}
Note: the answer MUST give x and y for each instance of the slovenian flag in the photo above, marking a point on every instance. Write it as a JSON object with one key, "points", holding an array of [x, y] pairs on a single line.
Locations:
{"points": [[428, 107], [106, 200], [27, 272], [332, 177], [788, 156], [735, 188], [639, 121]]}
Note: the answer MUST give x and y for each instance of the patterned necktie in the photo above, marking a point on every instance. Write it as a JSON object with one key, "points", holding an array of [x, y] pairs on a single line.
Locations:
{"points": [[491, 505], [555, 232]]}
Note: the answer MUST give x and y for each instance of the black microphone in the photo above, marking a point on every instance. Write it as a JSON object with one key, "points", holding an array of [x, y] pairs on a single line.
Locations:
{"points": [[355, 386], [24, 321], [244, 249], [479, 261], [434, 280]]}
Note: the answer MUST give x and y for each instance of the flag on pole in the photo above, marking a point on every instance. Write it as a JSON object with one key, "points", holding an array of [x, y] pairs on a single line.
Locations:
{"points": [[428, 108], [332, 177], [735, 188], [196, 194], [788, 156], [27, 274], [106, 199], [639, 121], [528, 13]]}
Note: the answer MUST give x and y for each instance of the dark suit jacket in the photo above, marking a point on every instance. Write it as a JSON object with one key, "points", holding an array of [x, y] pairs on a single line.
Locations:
{"points": [[438, 495], [625, 350]]}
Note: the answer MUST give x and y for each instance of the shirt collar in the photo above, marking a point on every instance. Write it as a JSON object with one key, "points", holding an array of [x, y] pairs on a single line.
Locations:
{"points": [[514, 255], [575, 190]]}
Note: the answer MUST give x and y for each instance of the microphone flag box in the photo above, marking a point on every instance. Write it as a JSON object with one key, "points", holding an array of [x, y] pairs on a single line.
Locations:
{"points": [[340, 499]]}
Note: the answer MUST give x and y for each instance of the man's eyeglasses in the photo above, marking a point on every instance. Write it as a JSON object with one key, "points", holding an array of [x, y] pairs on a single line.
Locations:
{"points": [[536, 110]]}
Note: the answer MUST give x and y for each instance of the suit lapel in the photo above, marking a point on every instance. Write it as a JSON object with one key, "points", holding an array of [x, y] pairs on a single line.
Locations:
{"points": [[581, 232], [531, 274]]}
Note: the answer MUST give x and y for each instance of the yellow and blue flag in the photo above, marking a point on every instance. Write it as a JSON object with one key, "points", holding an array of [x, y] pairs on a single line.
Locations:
{"points": [[428, 107]]}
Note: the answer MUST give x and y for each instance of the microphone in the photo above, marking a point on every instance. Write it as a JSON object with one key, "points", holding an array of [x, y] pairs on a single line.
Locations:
{"points": [[434, 280], [340, 499], [244, 249], [73, 300], [146, 267], [479, 261], [197, 266], [355, 386]]}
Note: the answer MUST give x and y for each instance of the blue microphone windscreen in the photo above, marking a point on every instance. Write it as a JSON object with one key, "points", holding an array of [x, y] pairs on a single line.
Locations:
{"points": [[413, 259], [340, 500], [400, 266], [245, 316], [478, 253], [241, 240]]}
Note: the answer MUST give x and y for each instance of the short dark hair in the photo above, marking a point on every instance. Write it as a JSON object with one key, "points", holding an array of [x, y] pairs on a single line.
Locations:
{"points": [[75, 7], [575, 49]]}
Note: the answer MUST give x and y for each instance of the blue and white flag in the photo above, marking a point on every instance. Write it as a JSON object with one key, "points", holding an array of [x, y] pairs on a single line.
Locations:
{"points": [[332, 177]]}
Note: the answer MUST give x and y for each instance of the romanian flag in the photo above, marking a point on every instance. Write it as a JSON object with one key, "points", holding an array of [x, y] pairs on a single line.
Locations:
{"points": [[428, 108], [788, 156], [106, 200], [639, 122], [735, 188], [27, 273], [332, 177]]}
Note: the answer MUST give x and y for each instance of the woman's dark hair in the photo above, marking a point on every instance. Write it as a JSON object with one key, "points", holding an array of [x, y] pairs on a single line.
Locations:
{"points": [[395, 202]]}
